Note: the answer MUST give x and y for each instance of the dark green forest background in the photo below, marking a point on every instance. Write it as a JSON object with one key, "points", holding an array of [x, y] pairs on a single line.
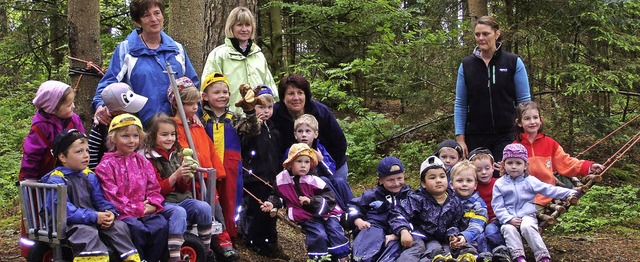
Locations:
{"points": [[384, 67]]}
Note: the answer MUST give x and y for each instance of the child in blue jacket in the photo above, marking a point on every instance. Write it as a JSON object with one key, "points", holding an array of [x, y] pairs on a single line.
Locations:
{"points": [[370, 214], [432, 214], [89, 214]]}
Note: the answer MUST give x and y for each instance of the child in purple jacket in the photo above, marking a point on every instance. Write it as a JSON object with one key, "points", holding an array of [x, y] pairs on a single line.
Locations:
{"points": [[311, 203], [54, 101]]}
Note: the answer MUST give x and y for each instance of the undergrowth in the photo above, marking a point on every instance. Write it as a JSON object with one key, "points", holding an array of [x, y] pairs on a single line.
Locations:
{"points": [[602, 206]]}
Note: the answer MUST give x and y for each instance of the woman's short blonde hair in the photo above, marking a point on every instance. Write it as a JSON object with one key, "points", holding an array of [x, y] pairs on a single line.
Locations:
{"points": [[240, 14]]}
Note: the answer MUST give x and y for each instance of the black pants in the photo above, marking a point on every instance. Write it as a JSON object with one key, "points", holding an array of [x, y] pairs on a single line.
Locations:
{"points": [[257, 227], [494, 142]]}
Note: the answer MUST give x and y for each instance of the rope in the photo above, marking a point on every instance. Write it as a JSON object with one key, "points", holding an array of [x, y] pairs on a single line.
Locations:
{"points": [[607, 136], [635, 140], [88, 70]]}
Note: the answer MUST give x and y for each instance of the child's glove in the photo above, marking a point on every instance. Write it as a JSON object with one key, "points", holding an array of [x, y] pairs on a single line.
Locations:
{"points": [[187, 158], [248, 99]]}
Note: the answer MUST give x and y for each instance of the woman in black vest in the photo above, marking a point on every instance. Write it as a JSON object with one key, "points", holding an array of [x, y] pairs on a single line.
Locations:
{"points": [[490, 83]]}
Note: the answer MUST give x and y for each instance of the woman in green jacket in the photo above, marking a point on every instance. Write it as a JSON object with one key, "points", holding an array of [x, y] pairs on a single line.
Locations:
{"points": [[239, 58]]}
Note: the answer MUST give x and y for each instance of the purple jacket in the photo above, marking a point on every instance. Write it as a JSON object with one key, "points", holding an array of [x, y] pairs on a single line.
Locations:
{"points": [[37, 160], [127, 181], [323, 201]]}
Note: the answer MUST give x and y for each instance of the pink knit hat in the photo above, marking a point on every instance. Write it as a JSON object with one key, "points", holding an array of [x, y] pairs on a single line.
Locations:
{"points": [[515, 151], [49, 95]]}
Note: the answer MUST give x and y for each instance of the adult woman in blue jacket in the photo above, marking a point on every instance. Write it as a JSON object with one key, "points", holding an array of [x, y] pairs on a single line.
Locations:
{"points": [[491, 82], [140, 61]]}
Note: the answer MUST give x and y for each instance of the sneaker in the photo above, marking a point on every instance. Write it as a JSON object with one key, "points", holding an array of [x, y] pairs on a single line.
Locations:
{"points": [[545, 259], [439, 258], [467, 257], [520, 259]]}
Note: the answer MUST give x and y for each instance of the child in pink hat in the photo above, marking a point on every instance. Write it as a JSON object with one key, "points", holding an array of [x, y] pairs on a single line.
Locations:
{"points": [[54, 101]]}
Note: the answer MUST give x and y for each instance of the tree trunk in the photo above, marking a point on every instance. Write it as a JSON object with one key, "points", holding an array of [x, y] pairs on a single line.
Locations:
{"points": [[186, 25], [57, 35], [477, 9], [4, 22], [276, 38], [215, 17], [84, 43]]}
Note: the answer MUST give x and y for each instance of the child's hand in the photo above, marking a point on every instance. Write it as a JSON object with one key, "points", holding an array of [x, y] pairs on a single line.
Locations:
{"points": [[361, 224], [102, 217], [457, 242], [389, 238], [107, 223], [304, 200], [406, 239], [596, 168], [149, 208], [497, 166], [319, 155], [266, 206], [516, 221]]}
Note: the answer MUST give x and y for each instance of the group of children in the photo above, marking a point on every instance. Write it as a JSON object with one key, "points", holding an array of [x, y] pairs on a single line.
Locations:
{"points": [[133, 189]]}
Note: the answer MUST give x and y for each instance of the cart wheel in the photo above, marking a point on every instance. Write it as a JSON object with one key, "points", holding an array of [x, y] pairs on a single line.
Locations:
{"points": [[193, 249], [40, 252]]}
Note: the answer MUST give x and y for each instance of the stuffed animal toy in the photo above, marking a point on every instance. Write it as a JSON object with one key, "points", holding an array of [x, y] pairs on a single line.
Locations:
{"points": [[187, 158], [248, 99]]}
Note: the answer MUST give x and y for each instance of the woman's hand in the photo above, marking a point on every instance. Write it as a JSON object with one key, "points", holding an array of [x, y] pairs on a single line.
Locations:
{"points": [[465, 150], [102, 115]]}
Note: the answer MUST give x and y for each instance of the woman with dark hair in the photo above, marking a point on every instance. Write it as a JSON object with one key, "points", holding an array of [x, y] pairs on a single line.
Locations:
{"points": [[295, 94], [140, 61], [240, 59], [491, 82]]}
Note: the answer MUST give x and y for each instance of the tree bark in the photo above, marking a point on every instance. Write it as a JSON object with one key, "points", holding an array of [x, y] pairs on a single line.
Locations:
{"points": [[276, 38], [84, 43], [477, 9], [56, 34], [4, 22], [186, 25]]}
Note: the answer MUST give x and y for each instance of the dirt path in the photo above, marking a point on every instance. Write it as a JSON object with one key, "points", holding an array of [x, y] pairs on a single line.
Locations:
{"points": [[606, 245]]}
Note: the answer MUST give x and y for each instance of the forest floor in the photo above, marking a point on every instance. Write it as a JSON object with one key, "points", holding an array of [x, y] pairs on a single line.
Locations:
{"points": [[607, 244]]}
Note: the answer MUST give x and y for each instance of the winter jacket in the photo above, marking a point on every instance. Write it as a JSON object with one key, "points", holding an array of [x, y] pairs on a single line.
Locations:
{"points": [[205, 150], [84, 195], [485, 191], [475, 216], [251, 69], [37, 159], [289, 188], [421, 214], [513, 197], [164, 164], [329, 131], [375, 205], [486, 95], [326, 167], [127, 181], [547, 156], [261, 154], [144, 70]]}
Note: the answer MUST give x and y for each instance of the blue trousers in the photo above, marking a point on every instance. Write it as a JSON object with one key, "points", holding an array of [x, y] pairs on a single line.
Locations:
{"points": [[189, 211], [339, 185], [490, 238], [149, 234], [369, 246], [325, 237]]}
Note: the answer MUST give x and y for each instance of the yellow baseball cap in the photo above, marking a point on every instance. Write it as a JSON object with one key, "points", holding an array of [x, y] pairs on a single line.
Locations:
{"points": [[212, 78], [124, 120]]}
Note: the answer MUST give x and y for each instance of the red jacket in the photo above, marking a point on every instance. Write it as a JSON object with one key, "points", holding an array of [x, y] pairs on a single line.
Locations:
{"points": [[205, 150], [547, 156]]}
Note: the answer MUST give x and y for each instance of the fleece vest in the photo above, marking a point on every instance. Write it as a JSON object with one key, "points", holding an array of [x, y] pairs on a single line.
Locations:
{"points": [[491, 95]]}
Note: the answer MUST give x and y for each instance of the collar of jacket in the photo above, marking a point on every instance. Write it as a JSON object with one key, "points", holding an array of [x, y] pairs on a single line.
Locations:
{"points": [[234, 54], [478, 53], [138, 48]]}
